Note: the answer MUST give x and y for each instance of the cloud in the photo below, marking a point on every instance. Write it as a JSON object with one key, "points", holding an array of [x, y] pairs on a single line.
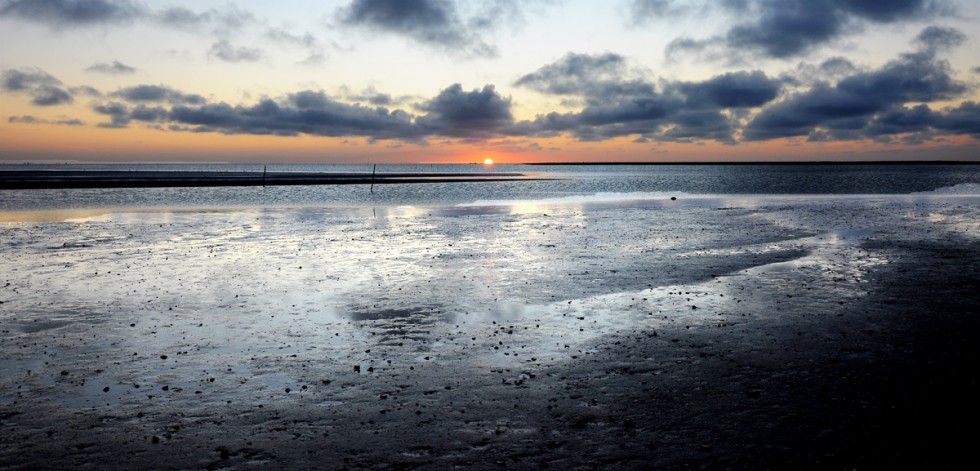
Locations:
{"points": [[72, 13], [282, 36], [919, 123], [784, 29], [935, 39], [371, 96], [306, 112], [732, 90], [157, 93], [642, 10], [220, 22], [709, 50], [315, 54], [787, 28], [458, 113], [855, 100], [223, 50], [28, 119], [59, 14], [44, 89], [836, 101], [85, 90], [118, 112], [583, 74], [434, 23], [621, 102], [963, 119], [149, 113], [114, 68]]}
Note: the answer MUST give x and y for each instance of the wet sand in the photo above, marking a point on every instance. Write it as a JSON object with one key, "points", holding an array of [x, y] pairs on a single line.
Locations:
{"points": [[718, 335]]}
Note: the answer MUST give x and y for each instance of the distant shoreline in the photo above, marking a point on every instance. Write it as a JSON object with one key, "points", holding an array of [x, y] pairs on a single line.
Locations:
{"points": [[65, 179], [808, 162]]}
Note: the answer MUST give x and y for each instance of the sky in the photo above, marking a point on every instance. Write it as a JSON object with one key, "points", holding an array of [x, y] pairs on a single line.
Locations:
{"points": [[418, 81]]}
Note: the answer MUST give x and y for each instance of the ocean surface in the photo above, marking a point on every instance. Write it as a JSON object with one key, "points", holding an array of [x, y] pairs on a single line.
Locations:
{"points": [[572, 182]]}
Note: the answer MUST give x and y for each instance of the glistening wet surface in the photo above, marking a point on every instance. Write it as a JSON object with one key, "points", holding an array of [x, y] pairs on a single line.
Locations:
{"points": [[251, 328]]}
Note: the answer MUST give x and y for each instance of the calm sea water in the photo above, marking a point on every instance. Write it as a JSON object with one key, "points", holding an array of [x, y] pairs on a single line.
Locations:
{"points": [[575, 181]]}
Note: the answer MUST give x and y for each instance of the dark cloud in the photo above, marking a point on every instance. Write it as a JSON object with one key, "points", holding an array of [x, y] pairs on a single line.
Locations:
{"points": [[938, 38], [786, 28], [435, 23], [58, 14], [699, 125], [23, 80], [71, 13], [890, 10], [732, 90], [618, 102], [44, 89], [710, 50], [113, 68], [836, 66], [306, 112], [157, 93], [28, 119], [458, 113], [149, 113], [855, 100], [50, 96], [117, 112], [578, 74], [921, 123], [901, 120], [25, 119], [963, 119], [223, 50]]}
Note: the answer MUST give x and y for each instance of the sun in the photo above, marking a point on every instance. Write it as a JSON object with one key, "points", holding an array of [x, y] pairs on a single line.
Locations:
{"points": [[488, 162]]}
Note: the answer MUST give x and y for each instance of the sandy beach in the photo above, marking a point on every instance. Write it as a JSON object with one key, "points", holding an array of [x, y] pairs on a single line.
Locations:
{"points": [[718, 333]]}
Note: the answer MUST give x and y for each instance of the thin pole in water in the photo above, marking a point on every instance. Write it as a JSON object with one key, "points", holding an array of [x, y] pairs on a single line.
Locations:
{"points": [[372, 177], [264, 168]]}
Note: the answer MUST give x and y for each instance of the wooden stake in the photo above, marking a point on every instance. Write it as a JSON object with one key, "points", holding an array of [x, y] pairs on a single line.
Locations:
{"points": [[372, 177]]}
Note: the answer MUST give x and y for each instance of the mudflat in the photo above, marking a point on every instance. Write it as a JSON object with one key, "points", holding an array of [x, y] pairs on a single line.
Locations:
{"points": [[750, 334]]}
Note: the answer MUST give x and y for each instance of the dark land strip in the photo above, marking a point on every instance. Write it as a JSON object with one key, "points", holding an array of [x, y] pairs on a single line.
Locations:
{"points": [[56, 179]]}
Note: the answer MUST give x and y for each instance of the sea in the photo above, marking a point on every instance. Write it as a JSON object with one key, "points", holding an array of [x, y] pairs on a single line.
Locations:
{"points": [[568, 183]]}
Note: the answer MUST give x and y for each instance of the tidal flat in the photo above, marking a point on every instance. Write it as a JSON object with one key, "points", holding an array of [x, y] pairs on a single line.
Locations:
{"points": [[746, 332]]}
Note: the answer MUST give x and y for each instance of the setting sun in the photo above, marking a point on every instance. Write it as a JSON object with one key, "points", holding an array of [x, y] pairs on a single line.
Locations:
{"points": [[488, 162]]}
